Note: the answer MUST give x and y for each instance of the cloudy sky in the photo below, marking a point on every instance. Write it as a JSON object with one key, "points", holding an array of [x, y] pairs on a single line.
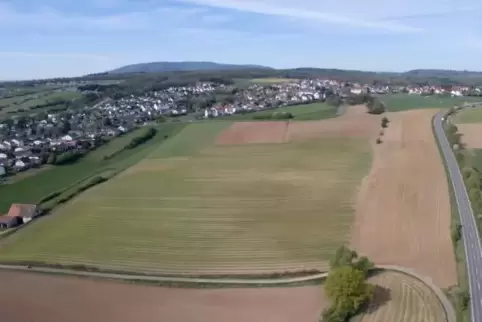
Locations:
{"points": [[51, 38]]}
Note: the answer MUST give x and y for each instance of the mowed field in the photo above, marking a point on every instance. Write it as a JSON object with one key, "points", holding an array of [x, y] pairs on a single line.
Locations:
{"points": [[208, 202], [469, 123], [403, 214], [399, 298]]}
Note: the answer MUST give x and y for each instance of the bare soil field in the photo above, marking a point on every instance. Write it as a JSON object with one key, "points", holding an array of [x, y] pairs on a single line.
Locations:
{"points": [[43, 298], [356, 122], [254, 132], [400, 298], [403, 211], [472, 134], [49, 298]]}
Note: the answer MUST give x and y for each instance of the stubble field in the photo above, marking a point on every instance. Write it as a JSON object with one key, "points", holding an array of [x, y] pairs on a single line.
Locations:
{"points": [[400, 298], [194, 207], [469, 124], [403, 214]]}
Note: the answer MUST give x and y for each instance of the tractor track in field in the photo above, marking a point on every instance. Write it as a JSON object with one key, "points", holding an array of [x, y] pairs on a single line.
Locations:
{"points": [[449, 311]]}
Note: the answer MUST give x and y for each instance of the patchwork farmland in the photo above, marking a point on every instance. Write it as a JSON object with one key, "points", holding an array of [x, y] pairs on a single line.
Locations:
{"points": [[197, 207], [225, 198]]}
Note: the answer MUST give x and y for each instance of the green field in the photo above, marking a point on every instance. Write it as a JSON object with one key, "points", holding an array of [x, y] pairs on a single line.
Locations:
{"points": [[403, 102], [468, 115], [302, 112], [25, 102], [193, 207], [32, 189]]}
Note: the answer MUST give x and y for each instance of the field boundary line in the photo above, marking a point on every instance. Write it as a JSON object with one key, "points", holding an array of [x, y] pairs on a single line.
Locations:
{"points": [[447, 306]]}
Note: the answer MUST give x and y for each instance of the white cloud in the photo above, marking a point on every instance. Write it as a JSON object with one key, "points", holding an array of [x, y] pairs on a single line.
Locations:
{"points": [[156, 19], [368, 14], [328, 12]]}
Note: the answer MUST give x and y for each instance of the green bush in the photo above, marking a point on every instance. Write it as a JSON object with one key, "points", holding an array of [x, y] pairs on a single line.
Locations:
{"points": [[456, 232], [69, 157], [149, 134], [50, 197], [375, 106], [385, 122], [274, 116]]}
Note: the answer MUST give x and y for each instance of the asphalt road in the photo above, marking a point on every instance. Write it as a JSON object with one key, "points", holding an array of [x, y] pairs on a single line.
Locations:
{"points": [[473, 249]]}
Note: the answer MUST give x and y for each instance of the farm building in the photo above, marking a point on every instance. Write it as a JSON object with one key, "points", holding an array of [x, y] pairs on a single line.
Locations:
{"points": [[9, 222], [24, 212]]}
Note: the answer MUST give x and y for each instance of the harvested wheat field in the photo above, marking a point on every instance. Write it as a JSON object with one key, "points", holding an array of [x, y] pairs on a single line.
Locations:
{"points": [[471, 135], [400, 298], [44, 298], [195, 207], [403, 211]]}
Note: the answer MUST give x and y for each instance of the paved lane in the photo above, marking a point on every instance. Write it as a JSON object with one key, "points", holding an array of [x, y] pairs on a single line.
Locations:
{"points": [[470, 233]]}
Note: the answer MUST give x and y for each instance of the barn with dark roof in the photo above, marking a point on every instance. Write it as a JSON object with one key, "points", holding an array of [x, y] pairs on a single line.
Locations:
{"points": [[9, 222]]}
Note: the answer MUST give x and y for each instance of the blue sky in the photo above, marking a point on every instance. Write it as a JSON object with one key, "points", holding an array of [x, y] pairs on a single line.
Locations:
{"points": [[51, 38]]}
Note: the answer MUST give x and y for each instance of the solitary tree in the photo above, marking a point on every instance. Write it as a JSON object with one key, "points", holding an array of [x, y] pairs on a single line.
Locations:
{"points": [[347, 290]]}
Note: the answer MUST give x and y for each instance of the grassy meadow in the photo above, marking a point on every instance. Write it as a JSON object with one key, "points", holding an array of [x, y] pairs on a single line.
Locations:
{"points": [[56, 178], [468, 115], [403, 102], [301, 112], [196, 208], [25, 102]]}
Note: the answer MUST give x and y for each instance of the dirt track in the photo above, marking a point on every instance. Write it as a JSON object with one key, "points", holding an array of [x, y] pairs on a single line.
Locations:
{"points": [[403, 210], [42, 298]]}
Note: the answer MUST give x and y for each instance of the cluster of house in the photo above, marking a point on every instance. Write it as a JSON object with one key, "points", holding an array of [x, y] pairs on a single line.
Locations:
{"points": [[18, 214], [259, 97], [27, 142], [165, 102]]}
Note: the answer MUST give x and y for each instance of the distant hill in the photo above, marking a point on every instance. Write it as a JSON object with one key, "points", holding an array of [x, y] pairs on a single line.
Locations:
{"points": [[441, 73], [159, 67]]}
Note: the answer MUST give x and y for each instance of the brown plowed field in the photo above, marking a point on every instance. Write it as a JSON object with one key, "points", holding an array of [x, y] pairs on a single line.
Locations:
{"points": [[472, 134], [254, 132], [403, 213], [43, 298], [356, 122]]}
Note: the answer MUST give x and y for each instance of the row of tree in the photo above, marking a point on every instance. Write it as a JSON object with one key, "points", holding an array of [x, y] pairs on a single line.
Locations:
{"points": [[472, 177]]}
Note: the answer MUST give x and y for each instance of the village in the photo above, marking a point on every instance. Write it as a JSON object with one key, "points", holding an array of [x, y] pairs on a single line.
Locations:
{"points": [[31, 141]]}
